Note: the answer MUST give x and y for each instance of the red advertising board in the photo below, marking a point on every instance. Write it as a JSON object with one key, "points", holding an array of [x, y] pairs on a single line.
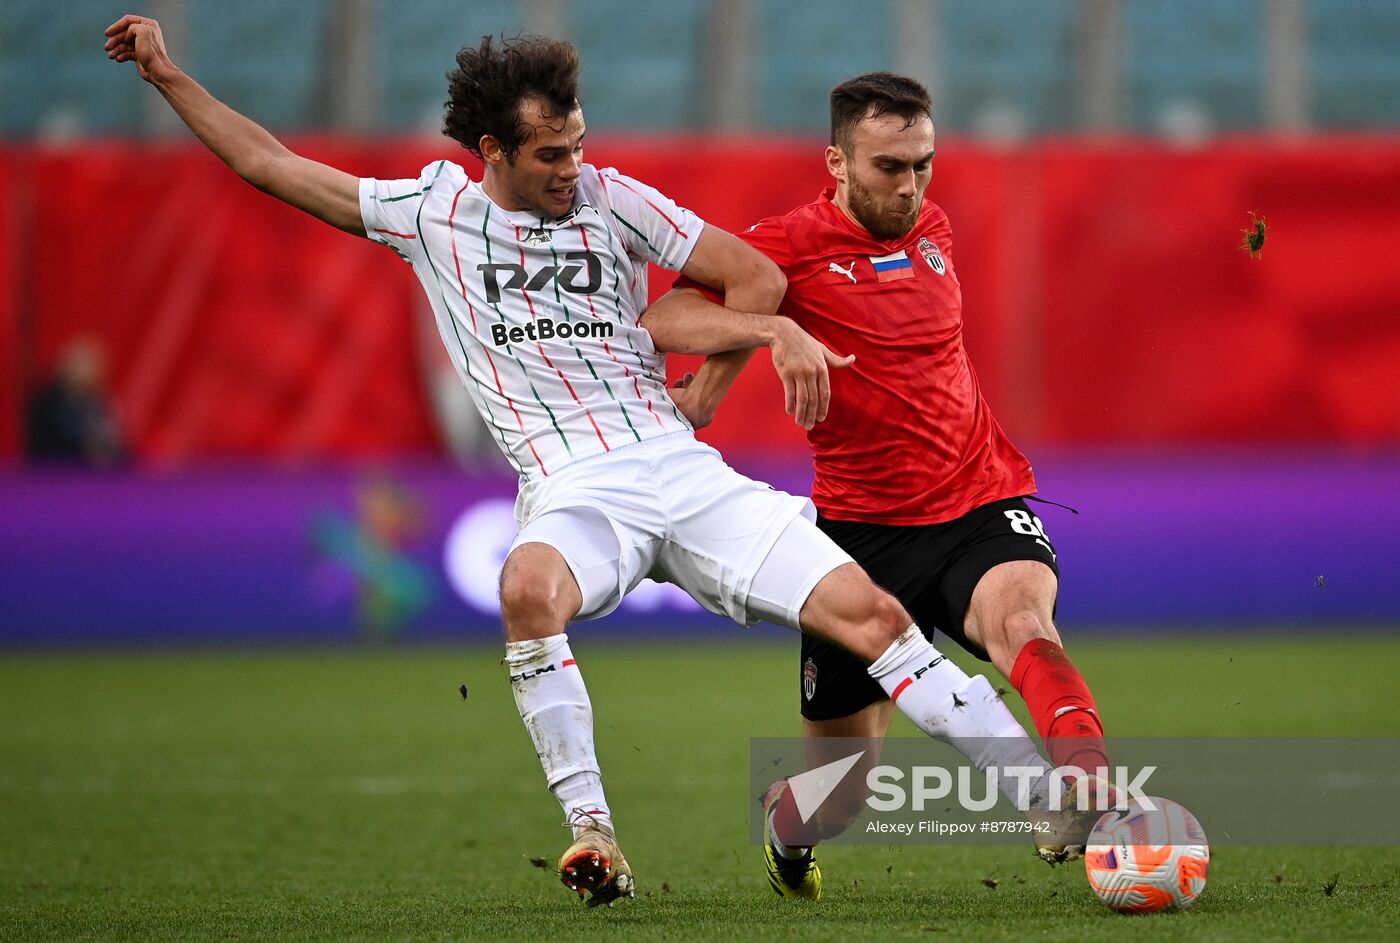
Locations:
{"points": [[1107, 300]]}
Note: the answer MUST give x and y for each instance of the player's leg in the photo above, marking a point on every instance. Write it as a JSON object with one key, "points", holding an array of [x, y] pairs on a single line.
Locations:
{"points": [[845, 607], [802, 579], [823, 738], [741, 549], [542, 589], [788, 842], [539, 595], [838, 697], [938, 696], [1010, 616]]}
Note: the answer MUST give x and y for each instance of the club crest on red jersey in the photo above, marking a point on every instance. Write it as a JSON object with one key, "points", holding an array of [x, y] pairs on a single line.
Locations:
{"points": [[932, 256]]}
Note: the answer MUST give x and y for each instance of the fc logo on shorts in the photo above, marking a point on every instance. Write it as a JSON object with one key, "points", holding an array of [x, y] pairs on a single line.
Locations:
{"points": [[809, 679]]}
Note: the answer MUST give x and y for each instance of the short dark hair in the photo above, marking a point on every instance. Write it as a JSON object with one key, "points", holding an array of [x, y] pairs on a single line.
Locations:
{"points": [[490, 82], [872, 95]]}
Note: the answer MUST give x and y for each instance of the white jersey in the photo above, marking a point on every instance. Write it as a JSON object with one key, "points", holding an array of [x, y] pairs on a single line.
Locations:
{"points": [[540, 316]]}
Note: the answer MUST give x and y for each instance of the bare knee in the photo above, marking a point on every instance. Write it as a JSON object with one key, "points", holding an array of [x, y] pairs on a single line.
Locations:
{"points": [[874, 623], [850, 610], [874, 626], [880, 621], [1027, 625], [538, 593], [887, 622], [524, 597], [1017, 629], [1010, 607]]}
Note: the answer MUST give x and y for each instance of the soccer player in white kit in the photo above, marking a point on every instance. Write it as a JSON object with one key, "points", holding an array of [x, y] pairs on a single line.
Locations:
{"points": [[537, 279]]}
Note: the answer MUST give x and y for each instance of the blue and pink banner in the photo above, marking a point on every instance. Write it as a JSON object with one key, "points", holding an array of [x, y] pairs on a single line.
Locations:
{"points": [[248, 555]]}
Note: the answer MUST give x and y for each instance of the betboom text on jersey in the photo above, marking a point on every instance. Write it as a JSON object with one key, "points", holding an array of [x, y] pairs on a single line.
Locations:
{"points": [[544, 329]]}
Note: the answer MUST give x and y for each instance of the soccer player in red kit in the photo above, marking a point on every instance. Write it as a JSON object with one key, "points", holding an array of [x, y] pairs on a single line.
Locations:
{"points": [[914, 477]]}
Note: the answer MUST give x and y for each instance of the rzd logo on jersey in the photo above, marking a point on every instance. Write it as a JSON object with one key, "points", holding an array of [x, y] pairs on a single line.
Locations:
{"points": [[566, 276], [932, 256]]}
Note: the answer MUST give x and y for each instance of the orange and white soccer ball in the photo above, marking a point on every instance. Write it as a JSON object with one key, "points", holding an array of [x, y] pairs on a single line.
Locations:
{"points": [[1142, 860]]}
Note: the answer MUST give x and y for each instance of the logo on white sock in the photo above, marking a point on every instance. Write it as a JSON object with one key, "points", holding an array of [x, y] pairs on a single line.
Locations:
{"points": [[933, 664], [810, 789], [527, 675]]}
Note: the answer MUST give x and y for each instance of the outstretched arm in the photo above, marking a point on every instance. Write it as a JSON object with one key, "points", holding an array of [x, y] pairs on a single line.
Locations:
{"points": [[255, 155]]}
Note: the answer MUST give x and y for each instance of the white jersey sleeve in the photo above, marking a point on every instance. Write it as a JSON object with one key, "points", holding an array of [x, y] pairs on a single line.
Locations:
{"points": [[391, 209], [651, 224]]}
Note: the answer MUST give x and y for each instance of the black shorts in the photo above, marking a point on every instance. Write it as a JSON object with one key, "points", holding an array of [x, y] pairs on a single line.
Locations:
{"points": [[932, 569]]}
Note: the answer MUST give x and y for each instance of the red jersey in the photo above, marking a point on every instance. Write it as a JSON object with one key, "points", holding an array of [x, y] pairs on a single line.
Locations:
{"points": [[908, 438]]}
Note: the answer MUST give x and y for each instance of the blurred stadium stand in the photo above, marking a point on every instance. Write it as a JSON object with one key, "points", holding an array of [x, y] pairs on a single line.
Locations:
{"points": [[1027, 66], [1199, 55]]}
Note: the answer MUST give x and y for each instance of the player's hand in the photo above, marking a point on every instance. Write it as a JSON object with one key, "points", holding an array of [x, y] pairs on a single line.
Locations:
{"points": [[803, 363], [691, 403], [138, 39]]}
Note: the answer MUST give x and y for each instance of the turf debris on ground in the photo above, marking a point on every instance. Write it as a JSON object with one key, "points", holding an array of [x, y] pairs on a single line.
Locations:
{"points": [[356, 795]]}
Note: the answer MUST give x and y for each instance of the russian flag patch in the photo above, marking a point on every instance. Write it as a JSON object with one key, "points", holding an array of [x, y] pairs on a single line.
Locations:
{"points": [[890, 268]]}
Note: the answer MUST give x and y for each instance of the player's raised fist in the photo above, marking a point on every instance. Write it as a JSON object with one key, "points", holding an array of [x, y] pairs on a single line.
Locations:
{"points": [[138, 39]]}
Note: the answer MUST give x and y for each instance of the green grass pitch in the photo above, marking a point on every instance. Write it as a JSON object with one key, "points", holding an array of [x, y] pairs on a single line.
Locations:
{"points": [[353, 795]]}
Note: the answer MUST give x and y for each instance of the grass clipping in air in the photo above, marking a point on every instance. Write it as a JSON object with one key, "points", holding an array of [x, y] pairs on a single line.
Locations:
{"points": [[1254, 236]]}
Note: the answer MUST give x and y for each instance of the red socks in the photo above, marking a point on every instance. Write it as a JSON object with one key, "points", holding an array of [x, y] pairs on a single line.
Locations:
{"points": [[788, 824], [1060, 704]]}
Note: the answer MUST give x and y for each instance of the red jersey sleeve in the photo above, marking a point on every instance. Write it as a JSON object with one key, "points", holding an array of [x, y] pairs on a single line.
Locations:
{"points": [[767, 236]]}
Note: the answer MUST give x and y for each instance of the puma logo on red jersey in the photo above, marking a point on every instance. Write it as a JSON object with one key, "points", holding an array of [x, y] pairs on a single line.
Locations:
{"points": [[848, 271]]}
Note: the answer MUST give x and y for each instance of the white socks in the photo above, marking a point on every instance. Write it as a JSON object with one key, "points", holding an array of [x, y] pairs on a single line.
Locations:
{"points": [[932, 691], [553, 702], [944, 702]]}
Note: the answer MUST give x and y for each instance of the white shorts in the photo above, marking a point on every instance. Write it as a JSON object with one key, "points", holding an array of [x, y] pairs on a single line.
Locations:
{"points": [[671, 509]]}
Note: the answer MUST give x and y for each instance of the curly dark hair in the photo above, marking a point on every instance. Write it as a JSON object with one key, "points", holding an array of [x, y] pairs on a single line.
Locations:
{"points": [[886, 93], [490, 81]]}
